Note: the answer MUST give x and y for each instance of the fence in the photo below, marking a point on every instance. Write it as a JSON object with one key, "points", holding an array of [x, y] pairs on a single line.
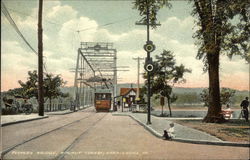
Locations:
{"points": [[56, 106]]}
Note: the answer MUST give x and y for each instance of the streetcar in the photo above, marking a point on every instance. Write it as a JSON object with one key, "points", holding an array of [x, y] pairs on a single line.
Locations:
{"points": [[102, 100]]}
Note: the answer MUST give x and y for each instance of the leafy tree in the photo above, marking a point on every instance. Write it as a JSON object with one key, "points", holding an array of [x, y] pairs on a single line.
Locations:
{"points": [[30, 86], [226, 96], [154, 6], [224, 28], [166, 74], [52, 86], [204, 97], [16, 92]]}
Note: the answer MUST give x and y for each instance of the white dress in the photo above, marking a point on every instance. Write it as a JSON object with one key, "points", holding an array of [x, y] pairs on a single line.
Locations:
{"points": [[171, 132], [227, 114]]}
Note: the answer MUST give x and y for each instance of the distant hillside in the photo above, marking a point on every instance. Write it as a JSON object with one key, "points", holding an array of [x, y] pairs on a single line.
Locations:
{"points": [[176, 90], [179, 90]]}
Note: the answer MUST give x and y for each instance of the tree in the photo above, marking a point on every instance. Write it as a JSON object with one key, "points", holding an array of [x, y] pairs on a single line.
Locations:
{"points": [[220, 32], [16, 92], [204, 97], [30, 86], [166, 74], [51, 86], [154, 7], [226, 96]]}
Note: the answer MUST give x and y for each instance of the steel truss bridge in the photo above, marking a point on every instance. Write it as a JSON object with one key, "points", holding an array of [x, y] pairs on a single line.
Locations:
{"points": [[96, 68]]}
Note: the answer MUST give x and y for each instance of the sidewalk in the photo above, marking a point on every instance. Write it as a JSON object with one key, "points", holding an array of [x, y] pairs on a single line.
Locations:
{"points": [[182, 133], [13, 119], [67, 111]]}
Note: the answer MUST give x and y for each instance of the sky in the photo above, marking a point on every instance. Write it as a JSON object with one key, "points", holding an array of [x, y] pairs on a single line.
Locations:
{"points": [[62, 19]]}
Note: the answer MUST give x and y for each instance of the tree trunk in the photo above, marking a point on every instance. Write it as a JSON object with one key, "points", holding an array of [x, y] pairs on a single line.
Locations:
{"points": [[214, 109], [211, 23], [162, 110], [170, 112], [50, 104]]}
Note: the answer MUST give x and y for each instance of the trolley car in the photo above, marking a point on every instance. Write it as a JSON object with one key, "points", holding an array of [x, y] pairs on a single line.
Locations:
{"points": [[102, 101]]}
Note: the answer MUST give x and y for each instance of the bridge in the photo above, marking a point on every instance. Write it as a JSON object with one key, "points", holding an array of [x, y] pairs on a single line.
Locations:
{"points": [[96, 68]]}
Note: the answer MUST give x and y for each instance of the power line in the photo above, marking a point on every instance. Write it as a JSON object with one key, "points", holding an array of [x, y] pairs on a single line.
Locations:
{"points": [[106, 24], [13, 24], [9, 18], [85, 29], [71, 29], [26, 14]]}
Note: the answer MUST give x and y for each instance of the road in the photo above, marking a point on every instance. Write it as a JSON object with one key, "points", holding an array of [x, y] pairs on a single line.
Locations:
{"points": [[90, 135]]}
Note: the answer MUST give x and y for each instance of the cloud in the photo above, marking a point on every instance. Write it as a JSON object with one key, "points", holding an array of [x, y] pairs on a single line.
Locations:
{"points": [[65, 13], [16, 62], [61, 41], [175, 28], [238, 65]]}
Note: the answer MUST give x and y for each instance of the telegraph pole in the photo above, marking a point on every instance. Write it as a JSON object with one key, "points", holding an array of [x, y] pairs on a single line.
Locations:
{"points": [[138, 76], [40, 60]]}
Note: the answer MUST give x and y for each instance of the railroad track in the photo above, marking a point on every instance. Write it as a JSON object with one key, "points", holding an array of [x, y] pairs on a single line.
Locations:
{"points": [[4, 152]]}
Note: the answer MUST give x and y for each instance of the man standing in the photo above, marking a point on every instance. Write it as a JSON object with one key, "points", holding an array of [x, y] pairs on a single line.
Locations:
{"points": [[244, 105]]}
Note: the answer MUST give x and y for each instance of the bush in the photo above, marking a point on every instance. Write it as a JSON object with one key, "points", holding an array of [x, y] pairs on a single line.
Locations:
{"points": [[8, 111]]}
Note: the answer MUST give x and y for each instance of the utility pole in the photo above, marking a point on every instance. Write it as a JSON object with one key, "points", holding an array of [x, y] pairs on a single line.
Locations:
{"points": [[149, 67], [40, 60], [148, 76], [76, 102], [138, 76]]}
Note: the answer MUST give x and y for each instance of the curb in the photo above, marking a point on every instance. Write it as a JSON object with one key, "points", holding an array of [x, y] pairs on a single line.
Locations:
{"points": [[48, 113], [37, 118], [224, 143], [155, 133], [25, 120]]}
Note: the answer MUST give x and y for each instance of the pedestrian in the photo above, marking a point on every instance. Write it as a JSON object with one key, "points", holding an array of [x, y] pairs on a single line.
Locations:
{"points": [[244, 106], [169, 133], [118, 104]]}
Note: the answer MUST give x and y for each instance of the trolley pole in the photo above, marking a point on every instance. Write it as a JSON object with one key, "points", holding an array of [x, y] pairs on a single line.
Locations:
{"points": [[40, 61]]}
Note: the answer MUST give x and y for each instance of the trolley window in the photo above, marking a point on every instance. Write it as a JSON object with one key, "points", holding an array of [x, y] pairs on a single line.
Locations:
{"points": [[103, 96]]}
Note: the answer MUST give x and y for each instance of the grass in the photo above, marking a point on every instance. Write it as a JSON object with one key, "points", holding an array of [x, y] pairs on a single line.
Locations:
{"points": [[235, 130]]}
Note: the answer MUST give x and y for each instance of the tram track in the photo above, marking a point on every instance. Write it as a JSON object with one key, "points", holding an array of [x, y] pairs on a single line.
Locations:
{"points": [[4, 152], [76, 140]]}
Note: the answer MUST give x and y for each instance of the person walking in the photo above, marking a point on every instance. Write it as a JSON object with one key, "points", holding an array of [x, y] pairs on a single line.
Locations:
{"points": [[244, 106]]}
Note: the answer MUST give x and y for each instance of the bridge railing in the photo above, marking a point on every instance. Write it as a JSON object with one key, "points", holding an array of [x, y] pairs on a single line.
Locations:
{"points": [[56, 107]]}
